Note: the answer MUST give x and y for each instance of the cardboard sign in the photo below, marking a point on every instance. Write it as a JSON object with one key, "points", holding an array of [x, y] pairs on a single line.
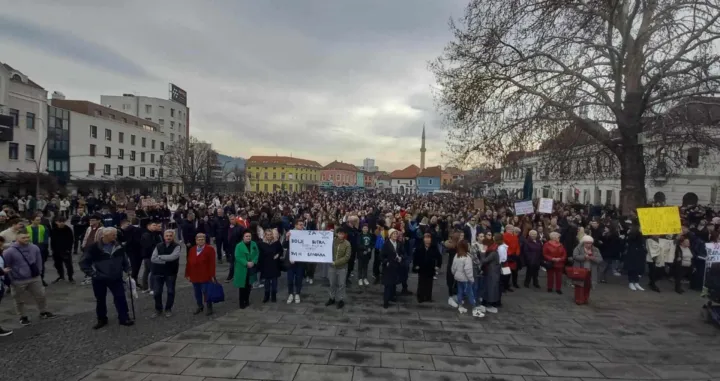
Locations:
{"points": [[659, 221], [479, 204], [311, 246], [524, 207], [545, 205]]}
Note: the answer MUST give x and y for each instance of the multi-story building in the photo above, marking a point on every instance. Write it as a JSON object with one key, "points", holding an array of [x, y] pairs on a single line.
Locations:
{"points": [[404, 181], [340, 174], [58, 143], [26, 103], [109, 148], [383, 182], [428, 181], [369, 165], [281, 173], [370, 179], [172, 116]]}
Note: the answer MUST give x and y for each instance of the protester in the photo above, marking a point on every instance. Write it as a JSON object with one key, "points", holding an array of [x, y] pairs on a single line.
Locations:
{"points": [[40, 237], [61, 243], [337, 272], [4, 271], [149, 240], [554, 255], [427, 261], [392, 253], [200, 271], [295, 270], [269, 263], [245, 274], [165, 262]]}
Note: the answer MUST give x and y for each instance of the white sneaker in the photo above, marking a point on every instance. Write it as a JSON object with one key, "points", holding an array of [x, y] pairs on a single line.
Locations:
{"points": [[367, 283], [360, 282], [297, 298], [310, 281], [151, 292], [632, 287], [637, 285], [480, 308], [477, 313], [290, 298], [617, 273], [452, 302], [491, 310], [462, 309]]}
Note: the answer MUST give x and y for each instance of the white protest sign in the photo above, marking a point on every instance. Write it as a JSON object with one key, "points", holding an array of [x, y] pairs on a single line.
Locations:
{"points": [[545, 206], [713, 253], [524, 207], [311, 246]]}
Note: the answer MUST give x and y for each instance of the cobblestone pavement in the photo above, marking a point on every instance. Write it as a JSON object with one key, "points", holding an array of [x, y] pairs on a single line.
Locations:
{"points": [[536, 336]]}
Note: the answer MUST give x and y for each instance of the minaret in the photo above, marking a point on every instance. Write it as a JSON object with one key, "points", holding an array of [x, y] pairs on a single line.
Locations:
{"points": [[422, 150]]}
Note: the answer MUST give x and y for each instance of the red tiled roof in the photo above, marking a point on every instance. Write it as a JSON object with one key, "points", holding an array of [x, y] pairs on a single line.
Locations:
{"points": [[410, 172], [384, 177], [431, 172], [287, 160], [341, 166]]}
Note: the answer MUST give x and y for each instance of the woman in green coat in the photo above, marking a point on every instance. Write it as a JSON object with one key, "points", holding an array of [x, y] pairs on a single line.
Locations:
{"points": [[244, 274]]}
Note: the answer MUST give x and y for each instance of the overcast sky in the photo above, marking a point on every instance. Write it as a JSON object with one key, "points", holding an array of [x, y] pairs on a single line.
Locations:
{"points": [[318, 79]]}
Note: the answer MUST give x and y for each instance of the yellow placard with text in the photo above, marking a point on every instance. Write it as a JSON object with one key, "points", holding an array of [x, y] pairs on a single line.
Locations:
{"points": [[659, 221]]}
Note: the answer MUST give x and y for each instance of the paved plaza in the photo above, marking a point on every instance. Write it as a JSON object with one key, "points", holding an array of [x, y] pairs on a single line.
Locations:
{"points": [[621, 335]]}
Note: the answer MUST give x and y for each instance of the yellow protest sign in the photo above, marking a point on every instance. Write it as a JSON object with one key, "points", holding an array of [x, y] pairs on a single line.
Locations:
{"points": [[659, 221]]}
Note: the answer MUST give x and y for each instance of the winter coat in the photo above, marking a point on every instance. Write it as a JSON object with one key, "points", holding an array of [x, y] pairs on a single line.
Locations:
{"points": [[532, 252], [188, 230], [61, 240], [426, 259], [634, 259], [268, 265], [611, 247], [513, 243], [554, 249], [390, 263], [462, 269], [101, 264], [242, 257], [592, 263], [341, 252], [490, 261], [200, 268]]}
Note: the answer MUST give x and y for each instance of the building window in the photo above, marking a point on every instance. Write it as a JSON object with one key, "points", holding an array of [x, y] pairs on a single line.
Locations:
{"points": [[148, 109], [142, 157], [142, 171], [282, 176], [120, 170], [108, 152], [266, 176], [124, 119], [91, 169], [161, 122], [126, 106], [152, 172], [13, 151], [172, 112], [143, 142], [98, 113], [132, 140], [152, 157], [121, 137], [132, 155], [160, 173], [693, 157], [121, 154], [162, 146], [112, 116], [106, 170], [172, 137], [15, 114], [172, 125], [290, 186], [152, 144], [29, 152], [92, 149], [274, 175], [430, 182], [265, 187], [108, 135], [30, 120], [131, 171], [93, 132]]}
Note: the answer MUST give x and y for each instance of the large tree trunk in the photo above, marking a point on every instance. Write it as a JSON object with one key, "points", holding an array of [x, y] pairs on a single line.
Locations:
{"points": [[632, 178]]}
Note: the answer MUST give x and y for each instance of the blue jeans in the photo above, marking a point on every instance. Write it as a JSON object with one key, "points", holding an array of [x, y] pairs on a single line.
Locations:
{"points": [[465, 289], [479, 287], [117, 289], [271, 285], [295, 274], [200, 290], [158, 281], [388, 293]]}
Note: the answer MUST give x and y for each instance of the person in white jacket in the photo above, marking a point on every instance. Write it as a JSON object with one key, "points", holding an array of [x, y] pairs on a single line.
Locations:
{"points": [[462, 270]]}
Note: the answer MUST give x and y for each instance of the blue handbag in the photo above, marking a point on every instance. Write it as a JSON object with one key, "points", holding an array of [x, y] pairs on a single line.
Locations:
{"points": [[215, 293]]}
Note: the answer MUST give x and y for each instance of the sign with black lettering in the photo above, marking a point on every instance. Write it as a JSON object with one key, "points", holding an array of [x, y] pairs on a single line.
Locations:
{"points": [[178, 95], [6, 128], [311, 246]]}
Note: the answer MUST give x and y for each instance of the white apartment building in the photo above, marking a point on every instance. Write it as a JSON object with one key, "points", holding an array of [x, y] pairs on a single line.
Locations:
{"points": [[26, 102], [172, 117], [369, 165], [107, 146]]}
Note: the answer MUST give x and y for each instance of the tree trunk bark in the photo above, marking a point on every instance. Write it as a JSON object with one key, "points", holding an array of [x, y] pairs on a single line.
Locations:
{"points": [[632, 179]]}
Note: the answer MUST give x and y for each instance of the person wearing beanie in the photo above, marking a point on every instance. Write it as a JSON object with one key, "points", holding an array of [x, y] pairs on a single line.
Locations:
{"points": [[586, 255], [392, 253]]}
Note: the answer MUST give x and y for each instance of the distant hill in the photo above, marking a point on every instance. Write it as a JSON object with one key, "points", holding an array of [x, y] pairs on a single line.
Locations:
{"points": [[238, 162]]}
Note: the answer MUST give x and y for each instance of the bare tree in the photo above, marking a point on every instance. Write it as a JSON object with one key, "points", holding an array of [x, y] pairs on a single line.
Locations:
{"points": [[520, 72], [191, 161]]}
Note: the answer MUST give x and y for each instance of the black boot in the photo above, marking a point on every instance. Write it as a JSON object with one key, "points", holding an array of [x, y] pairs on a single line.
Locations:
{"points": [[198, 310], [100, 323], [330, 302], [266, 298], [273, 297], [209, 310]]}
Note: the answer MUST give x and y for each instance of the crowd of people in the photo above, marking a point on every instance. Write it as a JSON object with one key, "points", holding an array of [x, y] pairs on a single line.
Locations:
{"points": [[380, 239]]}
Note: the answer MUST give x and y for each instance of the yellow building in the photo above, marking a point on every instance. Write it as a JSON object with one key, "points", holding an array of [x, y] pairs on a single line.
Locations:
{"points": [[276, 173]]}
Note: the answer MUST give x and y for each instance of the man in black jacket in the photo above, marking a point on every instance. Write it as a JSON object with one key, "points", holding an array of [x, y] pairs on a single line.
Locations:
{"points": [[61, 244], [188, 229], [235, 233], [220, 227], [151, 237], [165, 264], [131, 236], [105, 262], [79, 222]]}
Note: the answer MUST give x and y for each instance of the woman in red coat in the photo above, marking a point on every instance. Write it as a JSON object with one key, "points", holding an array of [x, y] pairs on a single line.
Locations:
{"points": [[200, 271], [513, 255], [554, 252]]}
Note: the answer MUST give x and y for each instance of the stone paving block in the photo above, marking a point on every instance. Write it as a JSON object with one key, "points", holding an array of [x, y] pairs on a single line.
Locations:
{"points": [[380, 374], [298, 319], [268, 371], [460, 364], [172, 377], [678, 372], [122, 362], [625, 371], [634, 344], [462, 326], [239, 338], [381, 322], [214, 368], [286, 341], [446, 336], [493, 377], [477, 350], [427, 347], [437, 315], [526, 353], [334, 342], [430, 375], [207, 351], [401, 334], [161, 348], [537, 341], [196, 337], [504, 327], [406, 361], [355, 358], [585, 342], [577, 354], [161, 364], [339, 320], [308, 372], [421, 324], [272, 328], [304, 356], [227, 326], [315, 330], [114, 375], [552, 378], [379, 345], [491, 338], [253, 353], [569, 369], [364, 331], [514, 366]]}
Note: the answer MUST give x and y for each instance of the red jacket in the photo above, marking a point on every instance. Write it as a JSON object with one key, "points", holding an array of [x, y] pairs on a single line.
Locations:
{"points": [[513, 243], [553, 249], [200, 268]]}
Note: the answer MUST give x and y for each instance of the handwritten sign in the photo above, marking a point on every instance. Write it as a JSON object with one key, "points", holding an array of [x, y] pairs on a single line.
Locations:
{"points": [[524, 207], [713, 253], [311, 246], [545, 205], [479, 204], [659, 221]]}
